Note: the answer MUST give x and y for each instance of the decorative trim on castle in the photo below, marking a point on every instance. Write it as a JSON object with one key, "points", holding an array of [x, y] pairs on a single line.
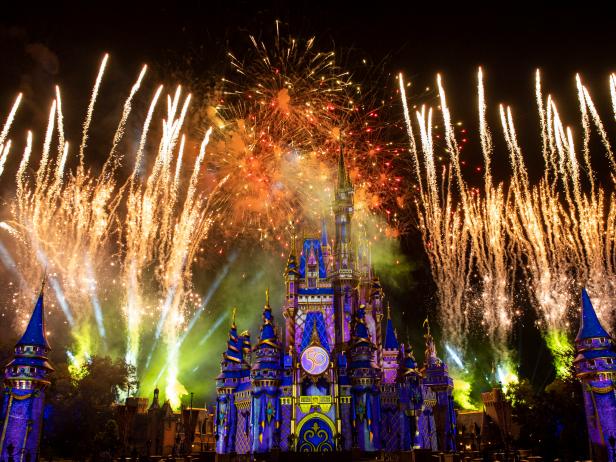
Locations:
{"points": [[595, 368], [26, 377], [334, 383]]}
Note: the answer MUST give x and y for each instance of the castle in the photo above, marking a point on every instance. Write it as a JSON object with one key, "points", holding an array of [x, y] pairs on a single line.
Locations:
{"points": [[336, 382]]}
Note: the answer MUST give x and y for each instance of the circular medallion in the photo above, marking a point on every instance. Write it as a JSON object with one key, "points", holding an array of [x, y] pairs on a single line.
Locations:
{"points": [[315, 360]]}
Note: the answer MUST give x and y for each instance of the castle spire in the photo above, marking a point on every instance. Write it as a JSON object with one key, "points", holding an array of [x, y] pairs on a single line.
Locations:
{"points": [[391, 342], [590, 327], [430, 353], [234, 344], [291, 267], [35, 334], [344, 181], [268, 333]]}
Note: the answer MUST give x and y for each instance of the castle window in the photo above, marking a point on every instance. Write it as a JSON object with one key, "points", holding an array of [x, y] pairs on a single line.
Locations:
{"points": [[312, 283]]}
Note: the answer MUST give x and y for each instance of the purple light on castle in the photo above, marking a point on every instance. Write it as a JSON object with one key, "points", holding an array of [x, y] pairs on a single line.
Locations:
{"points": [[595, 367], [26, 378]]}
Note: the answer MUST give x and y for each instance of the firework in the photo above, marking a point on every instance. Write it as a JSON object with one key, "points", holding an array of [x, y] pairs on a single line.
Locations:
{"points": [[279, 121], [559, 232], [113, 242]]}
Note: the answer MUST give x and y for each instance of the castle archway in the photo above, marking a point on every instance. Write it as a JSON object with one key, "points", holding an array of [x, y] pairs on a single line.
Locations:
{"points": [[316, 434]]}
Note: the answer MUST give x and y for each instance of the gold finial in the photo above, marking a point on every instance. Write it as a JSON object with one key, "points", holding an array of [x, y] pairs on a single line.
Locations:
{"points": [[426, 325], [43, 281], [388, 310], [233, 317], [293, 246], [314, 338], [267, 297]]}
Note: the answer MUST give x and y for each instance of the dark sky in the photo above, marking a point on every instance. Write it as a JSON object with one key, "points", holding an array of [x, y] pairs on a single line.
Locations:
{"points": [[510, 46], [44, 45], [419, 42]]}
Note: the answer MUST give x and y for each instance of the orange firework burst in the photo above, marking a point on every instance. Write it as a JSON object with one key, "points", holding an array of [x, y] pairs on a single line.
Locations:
{"points": [[279, 123]]}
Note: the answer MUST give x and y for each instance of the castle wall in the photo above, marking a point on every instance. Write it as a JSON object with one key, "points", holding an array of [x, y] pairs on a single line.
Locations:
{"points": [[22, 427]]}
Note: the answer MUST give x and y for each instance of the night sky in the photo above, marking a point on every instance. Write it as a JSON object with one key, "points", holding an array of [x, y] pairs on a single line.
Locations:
{"points": [[44, 45]]}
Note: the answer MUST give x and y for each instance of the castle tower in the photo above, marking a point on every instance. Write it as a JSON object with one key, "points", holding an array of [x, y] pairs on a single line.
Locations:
{"points": [[266, 375], [412, 417], [438, 382], [233, 370], [390, 399], [365, 392], [595, 368], [26, 377], [344, 276]]}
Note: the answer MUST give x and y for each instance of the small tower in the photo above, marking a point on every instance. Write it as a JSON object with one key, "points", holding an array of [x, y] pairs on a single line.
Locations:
{"points": [[390, 393], [233, 371], [26, 377], [595, 368], [437, 381], [391, 351], [291, 279], [365, 388], [266, 375]]}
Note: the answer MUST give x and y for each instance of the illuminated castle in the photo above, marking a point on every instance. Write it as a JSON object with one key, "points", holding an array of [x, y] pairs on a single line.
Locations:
{"points": [[336, 382], [595, 367], [26, 377]]}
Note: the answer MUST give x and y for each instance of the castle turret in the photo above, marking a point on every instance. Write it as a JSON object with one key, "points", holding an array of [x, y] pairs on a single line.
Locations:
{"points": [[595, 368], [26, 378], [233, 372], [266, 375], [438, 382], [344, 275], [365, 388]]}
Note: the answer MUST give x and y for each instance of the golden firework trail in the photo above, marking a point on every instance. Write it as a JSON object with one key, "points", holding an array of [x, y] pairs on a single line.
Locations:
{"points": [[71, 221], [559, 232]]}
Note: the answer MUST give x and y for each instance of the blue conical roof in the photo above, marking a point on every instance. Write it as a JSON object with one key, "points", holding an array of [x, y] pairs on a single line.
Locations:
{"points": [[268, 333], [234, 345], [391, 342], [35, 332], [590, 327]]}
